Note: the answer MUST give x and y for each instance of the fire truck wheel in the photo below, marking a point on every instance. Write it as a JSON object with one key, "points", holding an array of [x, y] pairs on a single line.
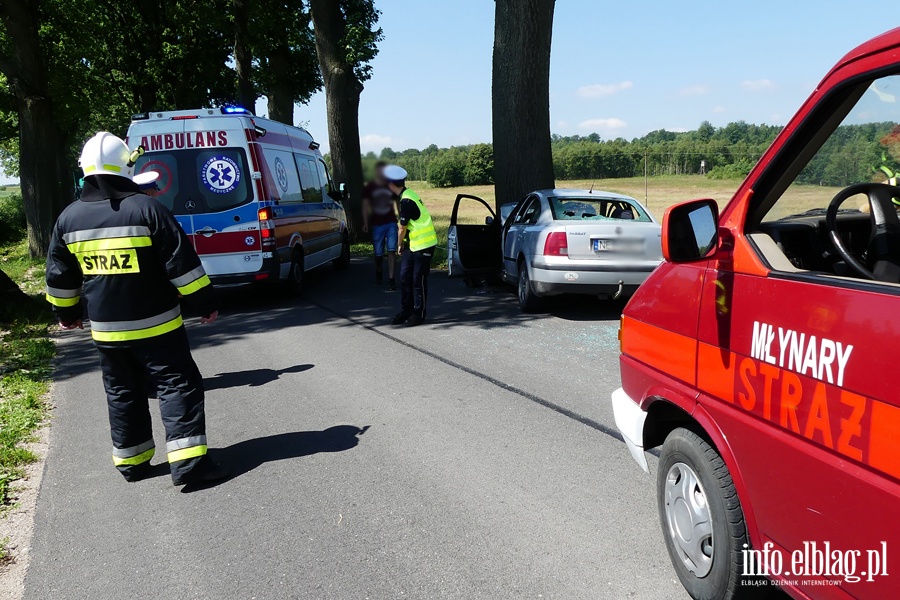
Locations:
{"points": [[343, 261], [296, 277], [701, 518]]}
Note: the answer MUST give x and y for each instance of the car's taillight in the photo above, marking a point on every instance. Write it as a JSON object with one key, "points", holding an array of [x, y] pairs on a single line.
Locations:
{"points": [[266, 227], [557, 244]]}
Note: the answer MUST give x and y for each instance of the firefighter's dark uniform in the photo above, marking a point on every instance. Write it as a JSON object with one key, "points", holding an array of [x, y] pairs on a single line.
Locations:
{"points": [[132, 260]]}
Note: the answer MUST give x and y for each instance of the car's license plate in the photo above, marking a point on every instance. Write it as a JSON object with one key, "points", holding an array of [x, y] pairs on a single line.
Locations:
{"points": [[601, 245]]}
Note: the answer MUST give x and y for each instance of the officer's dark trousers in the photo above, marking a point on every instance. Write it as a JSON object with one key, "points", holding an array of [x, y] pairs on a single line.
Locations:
{"points": [[414, 268], [164, 366]]}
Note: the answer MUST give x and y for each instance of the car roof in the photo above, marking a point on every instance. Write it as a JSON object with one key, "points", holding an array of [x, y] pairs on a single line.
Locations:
{"points": [[583, 194]]}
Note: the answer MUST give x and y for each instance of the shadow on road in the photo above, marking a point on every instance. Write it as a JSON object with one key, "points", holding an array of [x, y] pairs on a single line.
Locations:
{"points": [[245, 456], [250, 377], [351, 299]]}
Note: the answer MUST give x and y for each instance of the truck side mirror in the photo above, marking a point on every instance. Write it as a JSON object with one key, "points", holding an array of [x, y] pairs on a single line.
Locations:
{"points": [[690, 231], [342, 187], [489, 220]]}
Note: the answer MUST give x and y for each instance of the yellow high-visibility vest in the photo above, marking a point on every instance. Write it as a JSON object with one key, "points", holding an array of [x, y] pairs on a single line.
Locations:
{"points": [[421, 231]]}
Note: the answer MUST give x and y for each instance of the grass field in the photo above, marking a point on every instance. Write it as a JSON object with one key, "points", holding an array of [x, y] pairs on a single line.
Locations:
{"points": [[25, 355]]}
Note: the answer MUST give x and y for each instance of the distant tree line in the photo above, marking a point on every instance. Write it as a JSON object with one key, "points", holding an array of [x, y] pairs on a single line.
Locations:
{"points": [[852, 154]]}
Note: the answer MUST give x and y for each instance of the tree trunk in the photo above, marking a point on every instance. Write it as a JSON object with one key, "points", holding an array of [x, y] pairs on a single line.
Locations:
{"points": [[281, 98], [521, 98], [43, 167], [342, 92], [243, 58]]}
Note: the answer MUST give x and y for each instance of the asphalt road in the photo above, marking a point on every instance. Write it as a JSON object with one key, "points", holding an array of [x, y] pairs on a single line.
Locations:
{"points": [[473, 457]]}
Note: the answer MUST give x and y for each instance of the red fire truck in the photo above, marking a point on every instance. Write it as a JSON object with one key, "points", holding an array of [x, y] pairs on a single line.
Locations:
{"points": [[758, 357]]}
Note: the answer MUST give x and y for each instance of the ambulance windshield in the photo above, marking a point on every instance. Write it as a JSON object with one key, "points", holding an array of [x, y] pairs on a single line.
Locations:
{"points": [[193, 181]]}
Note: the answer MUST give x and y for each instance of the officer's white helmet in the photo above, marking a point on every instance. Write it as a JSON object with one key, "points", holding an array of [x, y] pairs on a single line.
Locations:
{"points": [[106, 154]]}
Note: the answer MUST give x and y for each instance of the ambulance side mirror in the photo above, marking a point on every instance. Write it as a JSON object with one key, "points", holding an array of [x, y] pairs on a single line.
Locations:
{"points": [[690, 231]]}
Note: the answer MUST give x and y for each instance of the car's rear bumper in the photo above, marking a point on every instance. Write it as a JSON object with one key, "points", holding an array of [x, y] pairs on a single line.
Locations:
{"points": [[630, 418], [564, 276]]}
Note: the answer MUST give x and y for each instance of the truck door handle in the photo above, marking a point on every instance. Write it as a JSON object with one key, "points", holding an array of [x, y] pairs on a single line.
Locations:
{"points": [[206, 231]]}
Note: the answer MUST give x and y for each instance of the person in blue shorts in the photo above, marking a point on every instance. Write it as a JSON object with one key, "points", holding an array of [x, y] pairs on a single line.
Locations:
{"points": [[380, 217]]}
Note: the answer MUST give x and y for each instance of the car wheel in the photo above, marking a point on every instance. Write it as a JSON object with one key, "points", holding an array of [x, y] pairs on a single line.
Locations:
{"points": [[528, 300], [296, 277], [701, 518], [343, 261]]}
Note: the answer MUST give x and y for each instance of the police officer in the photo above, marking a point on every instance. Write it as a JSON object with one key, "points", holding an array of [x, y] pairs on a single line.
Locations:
{"points": [[125, 253], [416, 250]]}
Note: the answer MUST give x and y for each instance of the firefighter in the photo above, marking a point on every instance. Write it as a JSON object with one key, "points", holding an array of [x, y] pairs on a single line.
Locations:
{"points": [[417, 243], [125, 253]]}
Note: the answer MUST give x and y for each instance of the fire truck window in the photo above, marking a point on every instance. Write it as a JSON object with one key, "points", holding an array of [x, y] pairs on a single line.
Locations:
{"points": [[309, 179], [856, 140]]}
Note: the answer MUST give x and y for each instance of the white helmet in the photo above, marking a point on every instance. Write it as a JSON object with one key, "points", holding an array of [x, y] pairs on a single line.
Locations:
{"points": [[105, 154]]}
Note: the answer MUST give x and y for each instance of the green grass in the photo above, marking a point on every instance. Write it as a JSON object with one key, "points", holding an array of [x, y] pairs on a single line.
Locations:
{"points": [[26, 353]]}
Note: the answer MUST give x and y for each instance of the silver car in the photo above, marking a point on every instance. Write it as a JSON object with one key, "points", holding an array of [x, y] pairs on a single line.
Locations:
{"points": [[558, 242]]}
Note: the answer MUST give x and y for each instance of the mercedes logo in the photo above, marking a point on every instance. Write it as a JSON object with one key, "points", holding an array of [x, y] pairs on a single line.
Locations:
{"points": [[190, 205]]}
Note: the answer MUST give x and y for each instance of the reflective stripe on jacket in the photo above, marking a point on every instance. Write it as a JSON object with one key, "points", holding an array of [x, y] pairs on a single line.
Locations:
{"points": [[127, 255], [421, 231]]}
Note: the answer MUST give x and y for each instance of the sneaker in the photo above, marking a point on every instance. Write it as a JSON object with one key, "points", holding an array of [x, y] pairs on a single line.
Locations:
{"points": [[415, 320], [378, 278], [399, 319], [392, 285], [206, 471]]}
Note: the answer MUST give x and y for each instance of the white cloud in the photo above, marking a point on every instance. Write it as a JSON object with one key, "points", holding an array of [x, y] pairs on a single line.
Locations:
{"points": [[562, 124], [600, 90], [610, 124], [374, 142], [718, 109], [757, 85], [677, 129], [699, 89]]}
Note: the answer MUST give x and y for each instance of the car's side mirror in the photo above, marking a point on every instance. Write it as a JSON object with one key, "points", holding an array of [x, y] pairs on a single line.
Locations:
{"points": [[489, 220], [690, 231], [342, 187]]}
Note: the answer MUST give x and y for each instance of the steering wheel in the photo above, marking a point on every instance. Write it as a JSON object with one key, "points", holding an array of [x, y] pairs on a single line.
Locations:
{"points": [[884, 244]]}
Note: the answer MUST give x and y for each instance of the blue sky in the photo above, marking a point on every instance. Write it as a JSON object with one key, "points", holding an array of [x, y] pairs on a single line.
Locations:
{"points": [[620, 69]]}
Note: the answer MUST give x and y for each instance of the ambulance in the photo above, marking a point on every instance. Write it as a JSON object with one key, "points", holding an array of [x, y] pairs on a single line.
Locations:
{"points": [[759, 359], [254, 196]]}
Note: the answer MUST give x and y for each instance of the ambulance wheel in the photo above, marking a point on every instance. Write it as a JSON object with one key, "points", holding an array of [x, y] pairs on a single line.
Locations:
{"points": [[701, 519], [343, 261], [529, 302], [296, 277]]}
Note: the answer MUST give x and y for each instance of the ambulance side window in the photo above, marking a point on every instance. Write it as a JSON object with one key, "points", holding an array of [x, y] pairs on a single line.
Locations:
{"points": [[284, 173], [324, 178], [309, 179]]}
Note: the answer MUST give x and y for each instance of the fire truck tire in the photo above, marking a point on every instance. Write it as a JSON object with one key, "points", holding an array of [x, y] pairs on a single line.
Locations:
{"points": [[296, 277], [343, 261], [702, 520]]}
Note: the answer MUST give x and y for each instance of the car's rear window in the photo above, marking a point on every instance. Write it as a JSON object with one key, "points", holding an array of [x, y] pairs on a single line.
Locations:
{"points": [[596, 209], [199, 181]]}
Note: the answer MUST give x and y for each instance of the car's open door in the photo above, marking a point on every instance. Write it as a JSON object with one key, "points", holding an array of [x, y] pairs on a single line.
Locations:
{"points": [[473, 240]]}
